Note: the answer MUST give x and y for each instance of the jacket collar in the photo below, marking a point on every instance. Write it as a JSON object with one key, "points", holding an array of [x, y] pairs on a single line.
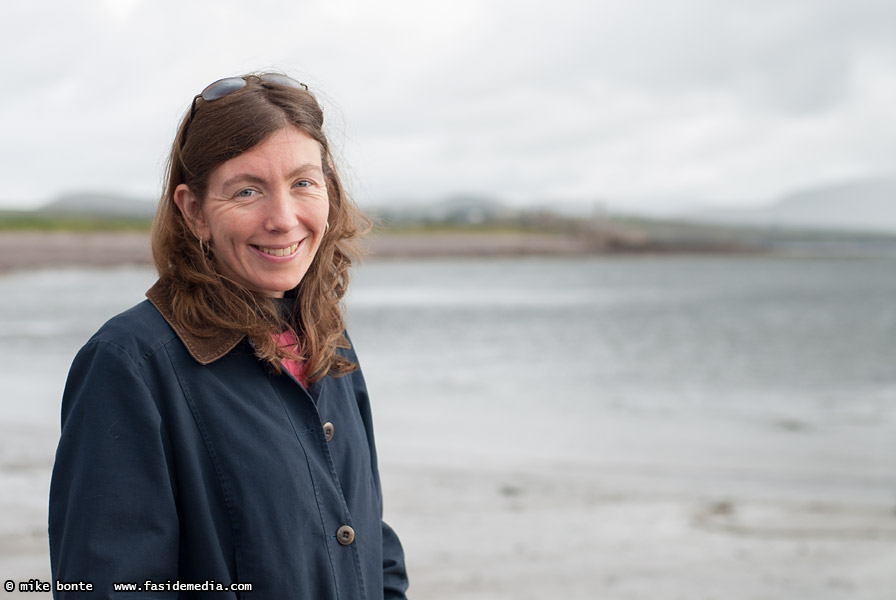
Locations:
{"points": [[205, 349]]}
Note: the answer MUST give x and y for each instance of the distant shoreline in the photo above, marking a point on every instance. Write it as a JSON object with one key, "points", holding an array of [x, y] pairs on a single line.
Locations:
{"points": [[36, 249], [22, 250]]}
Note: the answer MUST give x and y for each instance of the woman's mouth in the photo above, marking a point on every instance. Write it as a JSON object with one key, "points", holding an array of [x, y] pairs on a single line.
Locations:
{"points": [[279, 251]]}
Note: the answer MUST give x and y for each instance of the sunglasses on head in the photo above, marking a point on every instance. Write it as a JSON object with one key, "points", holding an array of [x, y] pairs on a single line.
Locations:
{"points": [[224, 87]]}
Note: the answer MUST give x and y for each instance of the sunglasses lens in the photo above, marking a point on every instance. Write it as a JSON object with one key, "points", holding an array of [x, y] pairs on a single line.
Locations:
{"points": [[283, 80], [222, 88]]}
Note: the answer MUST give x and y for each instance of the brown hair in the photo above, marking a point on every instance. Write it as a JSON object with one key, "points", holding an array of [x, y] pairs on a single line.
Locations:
{"points": [[203, 300]]}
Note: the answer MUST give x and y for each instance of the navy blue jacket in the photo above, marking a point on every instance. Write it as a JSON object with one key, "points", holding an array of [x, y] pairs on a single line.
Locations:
{"points": [[186, 460]]}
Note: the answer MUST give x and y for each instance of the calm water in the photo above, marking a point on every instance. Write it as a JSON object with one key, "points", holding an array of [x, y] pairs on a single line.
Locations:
{"points": [[728, 338], [534, 357]]}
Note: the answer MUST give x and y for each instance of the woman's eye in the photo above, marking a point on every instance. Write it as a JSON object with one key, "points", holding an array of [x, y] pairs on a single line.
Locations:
{"points": [[303, 183], [245, 193]]}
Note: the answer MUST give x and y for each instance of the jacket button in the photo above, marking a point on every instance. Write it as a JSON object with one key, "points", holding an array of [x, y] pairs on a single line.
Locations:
{"points": [[345, 535], [329, 431]]}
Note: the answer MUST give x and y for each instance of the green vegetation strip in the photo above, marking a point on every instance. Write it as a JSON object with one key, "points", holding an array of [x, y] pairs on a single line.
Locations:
{"points": [[12, 221]]}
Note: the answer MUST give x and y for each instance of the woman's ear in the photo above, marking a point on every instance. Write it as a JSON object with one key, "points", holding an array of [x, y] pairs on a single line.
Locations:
{"points": [[191, 209]]}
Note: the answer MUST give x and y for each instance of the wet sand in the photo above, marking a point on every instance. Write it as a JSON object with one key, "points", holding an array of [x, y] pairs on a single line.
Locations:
{"points": [[605, 529]]}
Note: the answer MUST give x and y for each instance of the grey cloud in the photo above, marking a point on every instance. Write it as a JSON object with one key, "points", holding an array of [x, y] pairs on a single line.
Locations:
{"points": [[589, 97]]}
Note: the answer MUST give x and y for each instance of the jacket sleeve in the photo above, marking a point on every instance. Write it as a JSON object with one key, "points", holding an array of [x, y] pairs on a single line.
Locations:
{"points": [[112, 514], [395, 578]]}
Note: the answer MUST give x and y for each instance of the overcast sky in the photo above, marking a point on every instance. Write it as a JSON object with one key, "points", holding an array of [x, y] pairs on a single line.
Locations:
{"points": [[641, 104]]}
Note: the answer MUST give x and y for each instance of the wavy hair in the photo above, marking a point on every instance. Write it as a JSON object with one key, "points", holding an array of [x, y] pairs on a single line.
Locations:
{"points": [[203, 300]]}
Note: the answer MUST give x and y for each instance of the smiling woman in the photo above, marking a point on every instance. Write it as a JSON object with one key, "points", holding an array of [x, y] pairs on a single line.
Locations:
{"points": [[221, 430]]}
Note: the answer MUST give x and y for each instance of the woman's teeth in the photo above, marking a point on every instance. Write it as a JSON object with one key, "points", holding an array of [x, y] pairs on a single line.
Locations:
{"points": [[279, 251]]}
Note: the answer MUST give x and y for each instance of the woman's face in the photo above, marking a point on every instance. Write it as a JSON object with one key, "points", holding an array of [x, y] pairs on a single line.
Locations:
{"points": [[264, 213]]}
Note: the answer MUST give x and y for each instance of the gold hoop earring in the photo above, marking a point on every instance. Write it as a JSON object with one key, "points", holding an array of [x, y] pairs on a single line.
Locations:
{"points": [[326, 228], [202, 247]]}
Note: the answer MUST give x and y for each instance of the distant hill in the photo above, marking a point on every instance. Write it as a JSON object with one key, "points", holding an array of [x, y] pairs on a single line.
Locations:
{"points": [[103, 205], [467, 209], [864, 205]]}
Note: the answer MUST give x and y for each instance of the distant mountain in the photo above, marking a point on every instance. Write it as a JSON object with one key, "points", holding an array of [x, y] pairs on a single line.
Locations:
{"points": [[864, 205], [94, 204]]}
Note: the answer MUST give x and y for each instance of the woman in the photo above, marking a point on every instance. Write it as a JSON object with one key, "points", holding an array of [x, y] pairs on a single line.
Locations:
{"points": [[217, 437]]}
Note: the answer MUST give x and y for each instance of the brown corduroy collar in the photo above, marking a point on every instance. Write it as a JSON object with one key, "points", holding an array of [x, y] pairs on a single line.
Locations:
{"points": [[204, 349]]}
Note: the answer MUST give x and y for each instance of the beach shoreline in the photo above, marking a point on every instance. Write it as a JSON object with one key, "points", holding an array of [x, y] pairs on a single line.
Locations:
{"points": [[40, 249], [35, 249]]}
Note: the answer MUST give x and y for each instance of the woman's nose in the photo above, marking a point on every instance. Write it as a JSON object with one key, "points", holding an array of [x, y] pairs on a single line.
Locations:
{"points": [[281, 211]]}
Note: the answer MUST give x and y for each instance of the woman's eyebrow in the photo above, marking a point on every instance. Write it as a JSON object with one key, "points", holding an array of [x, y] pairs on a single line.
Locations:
{"points": [[243, 177], [305, 168]]}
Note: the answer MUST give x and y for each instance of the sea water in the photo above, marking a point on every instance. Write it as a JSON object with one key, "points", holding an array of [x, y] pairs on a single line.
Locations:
{"points": [[719, 361]]}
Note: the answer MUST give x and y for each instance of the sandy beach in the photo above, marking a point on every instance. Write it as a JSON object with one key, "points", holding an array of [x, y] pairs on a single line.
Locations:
{"points": [[30, 249], [565, 530]]}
